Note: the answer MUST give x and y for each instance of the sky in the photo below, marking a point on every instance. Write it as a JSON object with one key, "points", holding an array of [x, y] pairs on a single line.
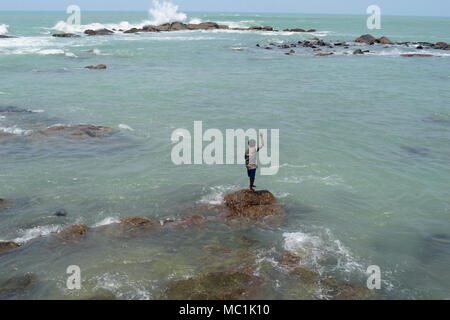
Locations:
{"points": [[388, 7]]}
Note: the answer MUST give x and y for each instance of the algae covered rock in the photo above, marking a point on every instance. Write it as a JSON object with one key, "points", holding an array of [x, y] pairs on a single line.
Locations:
{"points": [[79, 131], [71, 235], [8, 245], [138, 226], [254, 205], [215, 286], [17, 286]]}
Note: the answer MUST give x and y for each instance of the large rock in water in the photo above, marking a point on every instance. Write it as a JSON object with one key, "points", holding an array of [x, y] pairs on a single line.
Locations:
{"points": [[137, 226], [7, 246], [367, 39], [97, 67], [215, 286], [99, 32], [65, 35], [79, 131], [384, 40], [253, 204]]}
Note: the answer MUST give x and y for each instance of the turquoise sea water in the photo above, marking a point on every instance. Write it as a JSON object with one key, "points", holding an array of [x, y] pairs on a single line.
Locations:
{"points": [[364, 149]]}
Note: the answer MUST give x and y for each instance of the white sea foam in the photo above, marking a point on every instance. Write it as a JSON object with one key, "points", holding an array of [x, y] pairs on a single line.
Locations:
{"points": [[25, 235], [15, 131], [195, 21], [3, 29], [51, 51], [319, 247], [332, 180], [216, 194], [106, 221], [125, 127]]}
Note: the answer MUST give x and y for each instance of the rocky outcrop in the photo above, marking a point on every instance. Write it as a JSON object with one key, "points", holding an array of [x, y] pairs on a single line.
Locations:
{"points": [[416, 55], [441, 45], [17, 286], [324, 54], [97, 67], [71, 235], [65, 35], [7, 246], [79, 131], [384, 40], [6, 204], [367, 39], [179, 26], [215, 286], [2, 36], [254, 205], [99, 32]]}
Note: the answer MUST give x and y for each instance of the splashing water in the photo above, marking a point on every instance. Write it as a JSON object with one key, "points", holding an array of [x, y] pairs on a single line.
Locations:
{"points": [[3, 29], [165, 12]]}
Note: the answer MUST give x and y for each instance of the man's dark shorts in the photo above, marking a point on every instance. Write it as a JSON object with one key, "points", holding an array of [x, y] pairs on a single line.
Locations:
{"points": [[251, 173]]}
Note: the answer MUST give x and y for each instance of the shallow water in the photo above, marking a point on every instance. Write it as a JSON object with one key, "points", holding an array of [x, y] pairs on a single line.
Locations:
{"points": [[364, 151]]}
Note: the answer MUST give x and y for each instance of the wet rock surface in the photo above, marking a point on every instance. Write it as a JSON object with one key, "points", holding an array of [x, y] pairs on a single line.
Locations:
{"points": [[99, 32], [253, 204], [65, 35], [215, 286], [8, 246], [71, 235], [97, 67]]}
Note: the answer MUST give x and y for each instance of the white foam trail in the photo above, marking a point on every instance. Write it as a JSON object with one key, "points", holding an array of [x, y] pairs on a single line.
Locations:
{"points": [[51, 51], [15, 131], [3, 29], [332, 180], [125, 127], [71, 55], [106, 221], [216, 194], [25, 235], [2, 117], [165, 12]]}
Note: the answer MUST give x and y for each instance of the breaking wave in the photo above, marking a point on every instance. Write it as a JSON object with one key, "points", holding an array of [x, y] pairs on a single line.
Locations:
{"points": [[3, 29]]}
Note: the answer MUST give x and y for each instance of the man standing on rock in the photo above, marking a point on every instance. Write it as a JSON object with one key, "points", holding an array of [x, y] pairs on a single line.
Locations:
{"points": [[251, 159]]}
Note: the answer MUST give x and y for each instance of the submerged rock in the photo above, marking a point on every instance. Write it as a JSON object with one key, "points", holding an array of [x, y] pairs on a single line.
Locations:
{"points": [[17, 286], [215, 286], [345, 291], [65, 35], [14, 110], [79, 131], [358, 51], [60, 213], [416, 55], [7, 246], [71, 235], [97, 67], [6, 37], [6, 204], [189, 222], [138, 226], [324, 54]]}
